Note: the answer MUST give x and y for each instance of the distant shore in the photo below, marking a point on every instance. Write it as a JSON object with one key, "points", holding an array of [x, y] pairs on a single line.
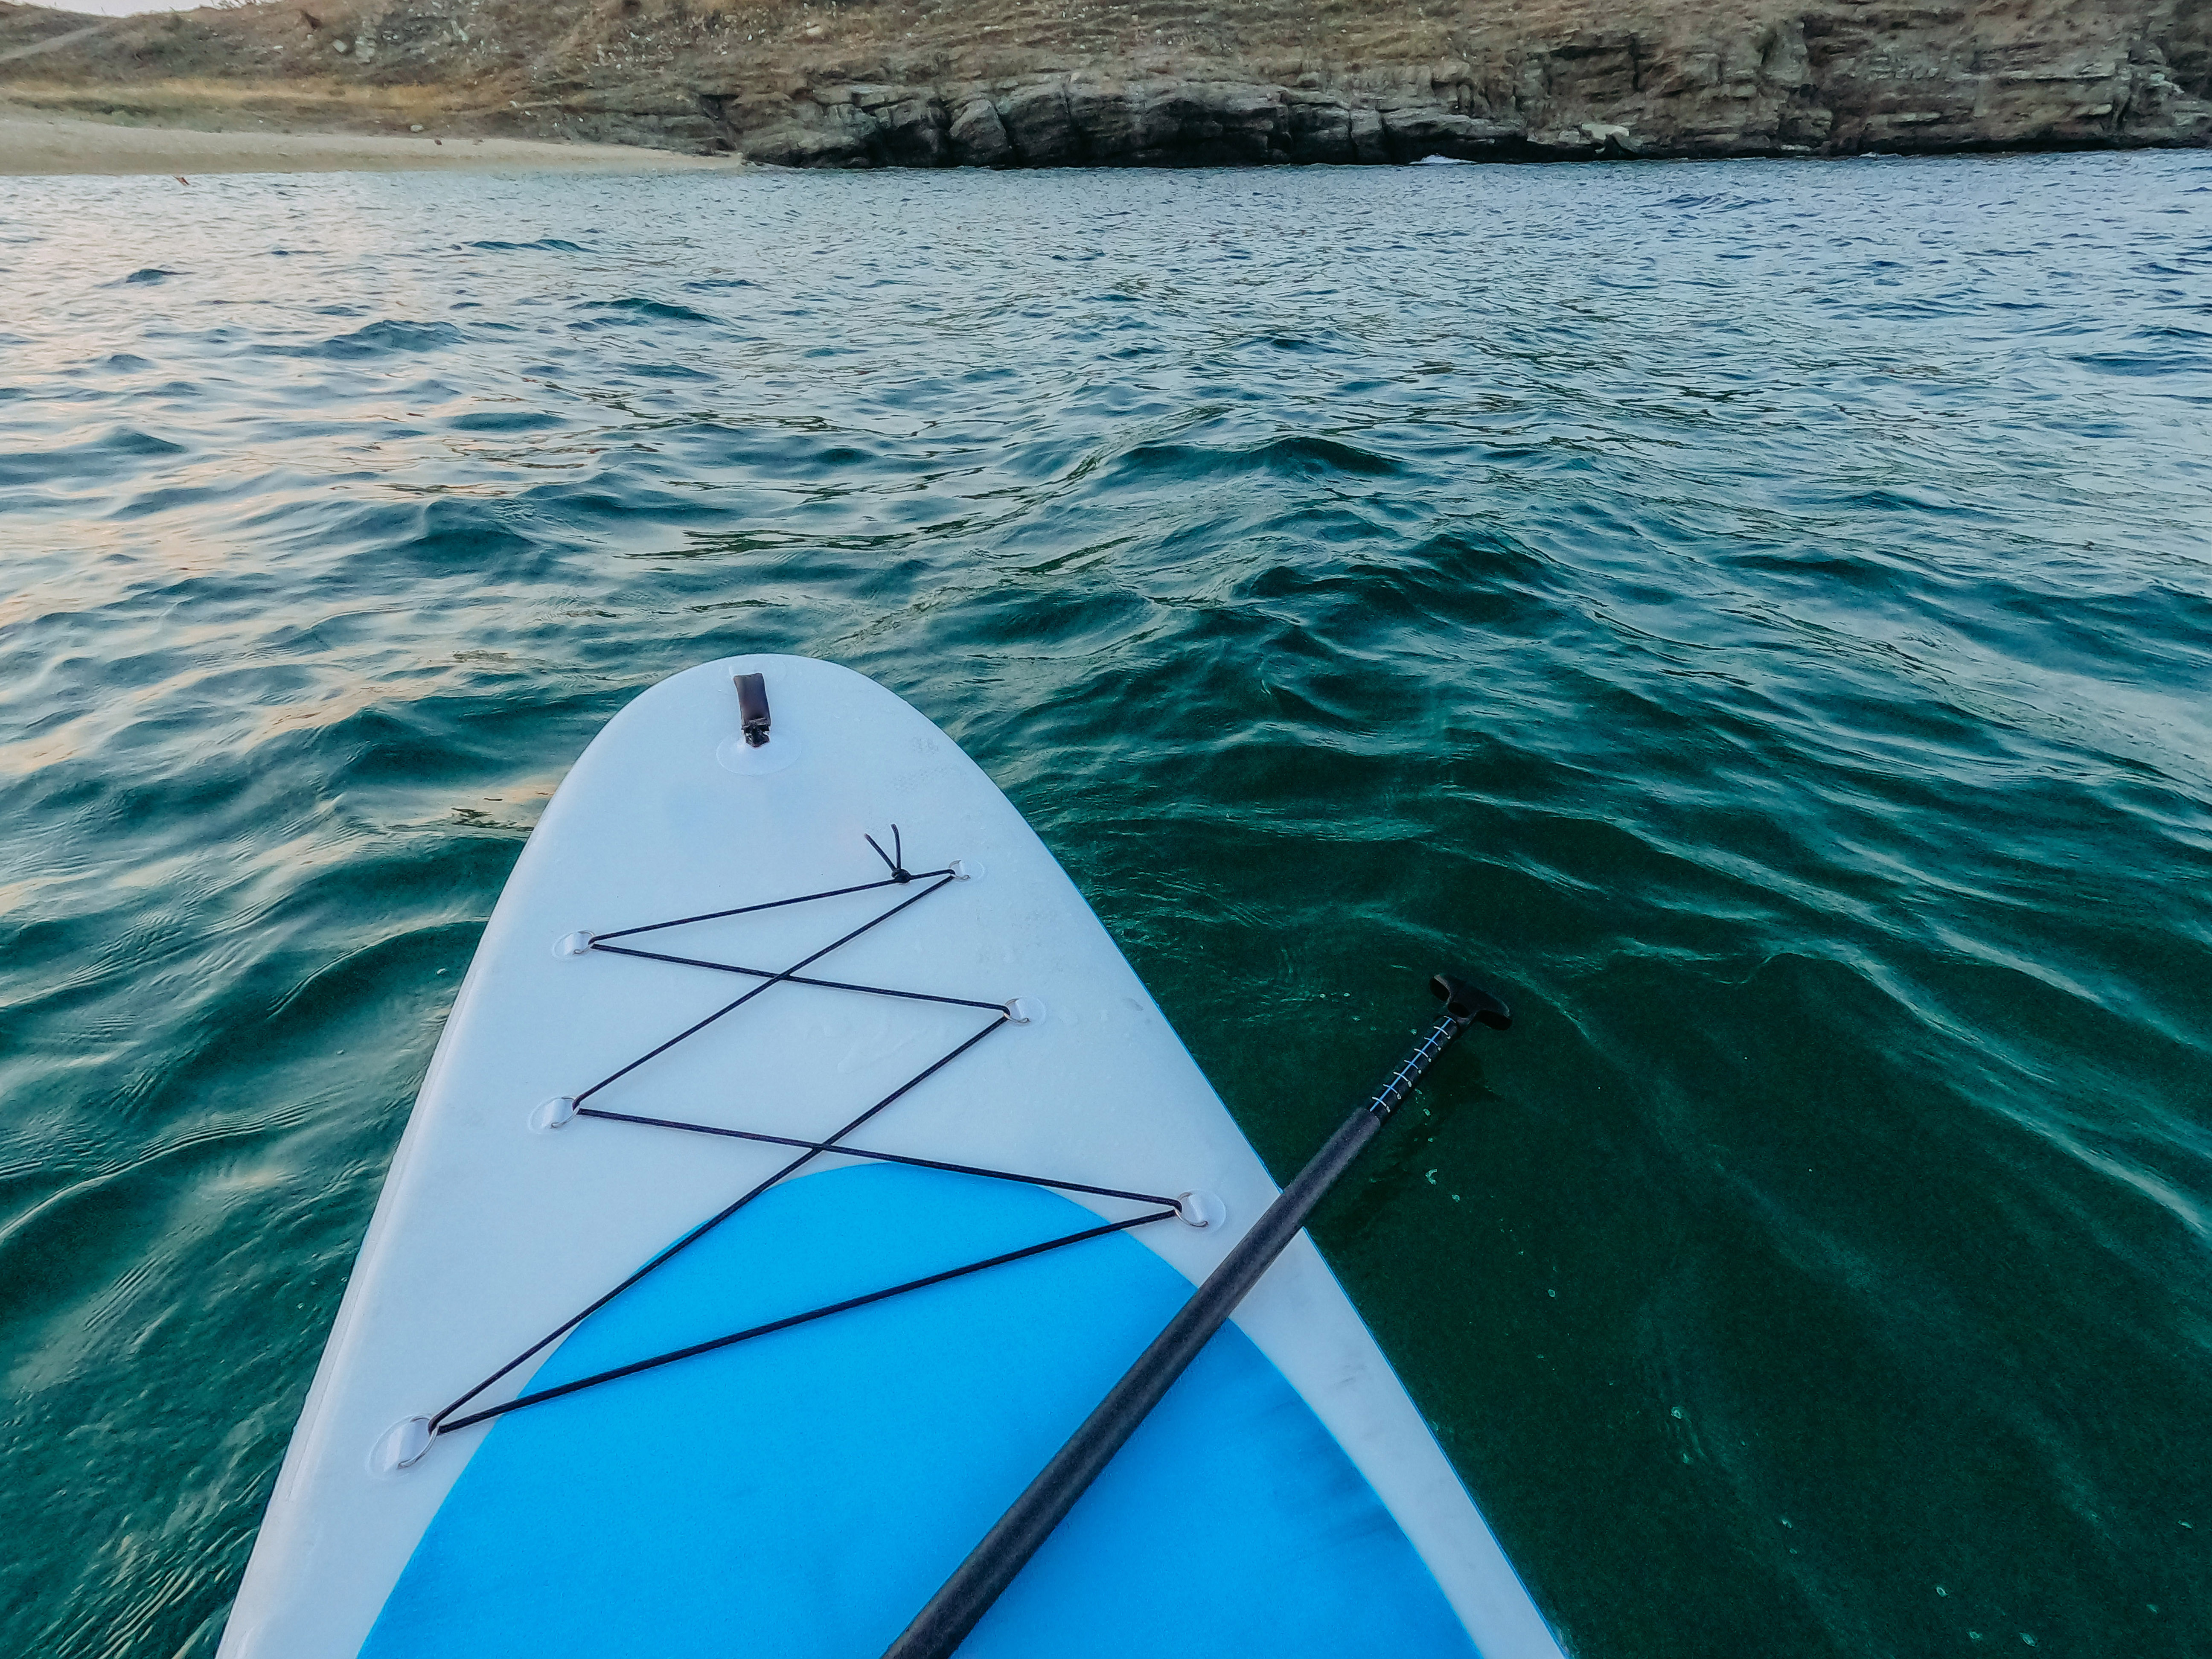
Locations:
{"points": [[1140, 83], [1034, 83], [32, 143]]}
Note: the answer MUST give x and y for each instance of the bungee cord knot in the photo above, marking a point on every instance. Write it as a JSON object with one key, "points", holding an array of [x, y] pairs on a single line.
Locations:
{"points": [[896, 858]]}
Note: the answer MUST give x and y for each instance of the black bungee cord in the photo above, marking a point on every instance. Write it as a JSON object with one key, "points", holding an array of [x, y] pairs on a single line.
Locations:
{"points": [[445, 1421]]}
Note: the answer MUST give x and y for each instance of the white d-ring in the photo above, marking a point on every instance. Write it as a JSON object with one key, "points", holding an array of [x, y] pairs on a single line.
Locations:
{"points": [[401, 1446], [552, 1114], [1200, 1210]]}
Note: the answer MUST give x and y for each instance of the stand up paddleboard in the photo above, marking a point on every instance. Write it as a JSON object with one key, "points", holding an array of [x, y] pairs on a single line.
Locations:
{"points": [[800, 1165]]}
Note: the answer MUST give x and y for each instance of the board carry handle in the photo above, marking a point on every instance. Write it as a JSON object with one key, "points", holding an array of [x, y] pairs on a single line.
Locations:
{"points": [[940, 1627], [752, 707]]}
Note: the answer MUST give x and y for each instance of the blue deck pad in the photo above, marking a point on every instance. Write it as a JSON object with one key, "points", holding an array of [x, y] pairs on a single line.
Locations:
{"points": [[800, 1496]]}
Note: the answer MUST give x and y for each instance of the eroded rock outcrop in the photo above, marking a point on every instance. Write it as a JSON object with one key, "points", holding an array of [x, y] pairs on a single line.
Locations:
{"points": [[1823, 84]]}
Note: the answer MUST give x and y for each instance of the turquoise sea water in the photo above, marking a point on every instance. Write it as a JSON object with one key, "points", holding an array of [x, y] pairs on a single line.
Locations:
{"points": [[1759, 616]]}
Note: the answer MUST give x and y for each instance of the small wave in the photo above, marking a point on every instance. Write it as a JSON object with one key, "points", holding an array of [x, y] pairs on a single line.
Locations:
{"points": [[1902, 499], [505, 420], [633, 309], [620, 494], [1459, 580], [542, 244], [2137, 364], [444, 536], [1289, 457], [95, 459], [1827, 564], [376, 340]]}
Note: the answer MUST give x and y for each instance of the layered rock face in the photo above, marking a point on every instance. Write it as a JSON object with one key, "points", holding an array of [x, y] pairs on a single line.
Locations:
{"points": [[1856, 79], [937, 84]]}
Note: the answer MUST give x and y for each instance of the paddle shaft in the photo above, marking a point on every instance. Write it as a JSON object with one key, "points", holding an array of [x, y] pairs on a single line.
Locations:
{"points": [[941, 1627]]}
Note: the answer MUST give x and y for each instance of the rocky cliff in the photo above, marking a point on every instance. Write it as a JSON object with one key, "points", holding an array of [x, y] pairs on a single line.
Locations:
{"points": [[1870, 78], [1062, 82]]}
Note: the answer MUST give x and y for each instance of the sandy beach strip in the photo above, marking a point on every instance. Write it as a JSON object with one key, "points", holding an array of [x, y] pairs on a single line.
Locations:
{"points": [[32, 143]]}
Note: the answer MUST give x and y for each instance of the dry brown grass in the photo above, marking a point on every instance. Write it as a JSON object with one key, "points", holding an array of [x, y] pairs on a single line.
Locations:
{"points": [[220, 106], [485, 44]]}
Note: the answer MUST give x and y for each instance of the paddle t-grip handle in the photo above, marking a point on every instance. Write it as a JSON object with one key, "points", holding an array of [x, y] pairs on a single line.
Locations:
{"points": [[942, 1626]]}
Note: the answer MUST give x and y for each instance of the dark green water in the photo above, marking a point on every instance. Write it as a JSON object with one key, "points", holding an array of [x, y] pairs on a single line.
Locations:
{"points": [[1759, 616]]}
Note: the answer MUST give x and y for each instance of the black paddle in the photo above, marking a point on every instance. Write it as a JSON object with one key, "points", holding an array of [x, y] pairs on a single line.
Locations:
{"points": [[966, 1596]]}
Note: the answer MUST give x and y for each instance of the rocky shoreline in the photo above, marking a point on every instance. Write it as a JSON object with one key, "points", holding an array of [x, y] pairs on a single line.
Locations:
{"points": [[1013, 83], [1784, 96]]}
